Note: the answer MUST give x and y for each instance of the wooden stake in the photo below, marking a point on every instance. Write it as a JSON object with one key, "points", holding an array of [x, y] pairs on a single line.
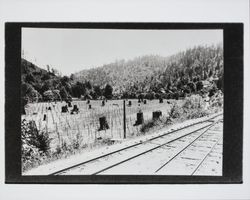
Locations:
{"points": [[124, 118]]}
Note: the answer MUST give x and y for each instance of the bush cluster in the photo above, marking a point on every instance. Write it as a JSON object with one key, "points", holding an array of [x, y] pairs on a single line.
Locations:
{"points": [[192, 107], [147, 125], [35, 144]]}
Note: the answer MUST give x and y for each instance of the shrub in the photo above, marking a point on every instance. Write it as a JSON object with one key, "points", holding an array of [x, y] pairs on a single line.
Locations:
{"points": [[51, 95], [35, 138], [35, 144], [30, 157], [212, 91], [76, 142], [149, 124], [175, 111], [193, 102], [107, 141], [194, 107], [66, 147], [196, 113], [168, 120], [217, 100], [69, 147]]}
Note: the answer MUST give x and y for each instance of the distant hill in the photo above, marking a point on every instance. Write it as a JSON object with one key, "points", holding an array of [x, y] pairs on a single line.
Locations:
{"points": [[40, 79], [31, 73], [156, 73], [121, 74], [35, 81], [151, 76]]}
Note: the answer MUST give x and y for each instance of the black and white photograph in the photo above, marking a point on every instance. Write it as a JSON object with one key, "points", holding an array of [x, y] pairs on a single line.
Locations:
{"points": [[122, 102], [124, 99]]}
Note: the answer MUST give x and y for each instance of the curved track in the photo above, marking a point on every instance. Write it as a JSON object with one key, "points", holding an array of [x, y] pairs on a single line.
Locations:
{"points": [[176, 143]]}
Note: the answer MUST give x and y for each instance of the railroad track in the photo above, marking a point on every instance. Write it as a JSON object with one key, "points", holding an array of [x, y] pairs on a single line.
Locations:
{"points": [[189, 161], [181, 140]]}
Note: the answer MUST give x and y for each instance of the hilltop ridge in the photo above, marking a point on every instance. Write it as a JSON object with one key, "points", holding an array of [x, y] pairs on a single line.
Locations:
{"points": [[150, 75]]}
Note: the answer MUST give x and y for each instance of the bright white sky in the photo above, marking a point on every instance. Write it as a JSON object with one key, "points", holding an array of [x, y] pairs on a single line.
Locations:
{"points": [[71, 50]]}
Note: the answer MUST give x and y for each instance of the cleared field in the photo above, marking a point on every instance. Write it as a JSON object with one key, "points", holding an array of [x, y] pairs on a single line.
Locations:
{"points": [[66, 127]]}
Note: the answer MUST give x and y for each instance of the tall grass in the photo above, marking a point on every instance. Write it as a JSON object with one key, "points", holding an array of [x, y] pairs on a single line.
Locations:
{"points": [[74, 133]]}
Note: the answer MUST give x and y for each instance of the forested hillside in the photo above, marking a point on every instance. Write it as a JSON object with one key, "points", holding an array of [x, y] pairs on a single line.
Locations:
{"points": [[154, 74], [121, 74], [196, 70]]}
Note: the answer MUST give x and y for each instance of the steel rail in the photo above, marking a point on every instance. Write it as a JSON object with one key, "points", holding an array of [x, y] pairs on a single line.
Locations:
{"points": [[139, 143], [185, 148], [159, 146], [205, 157]]}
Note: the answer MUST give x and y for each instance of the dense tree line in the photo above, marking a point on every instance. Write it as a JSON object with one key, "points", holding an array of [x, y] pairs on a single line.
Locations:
{"points": [[173, 76], [196, 70]]}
